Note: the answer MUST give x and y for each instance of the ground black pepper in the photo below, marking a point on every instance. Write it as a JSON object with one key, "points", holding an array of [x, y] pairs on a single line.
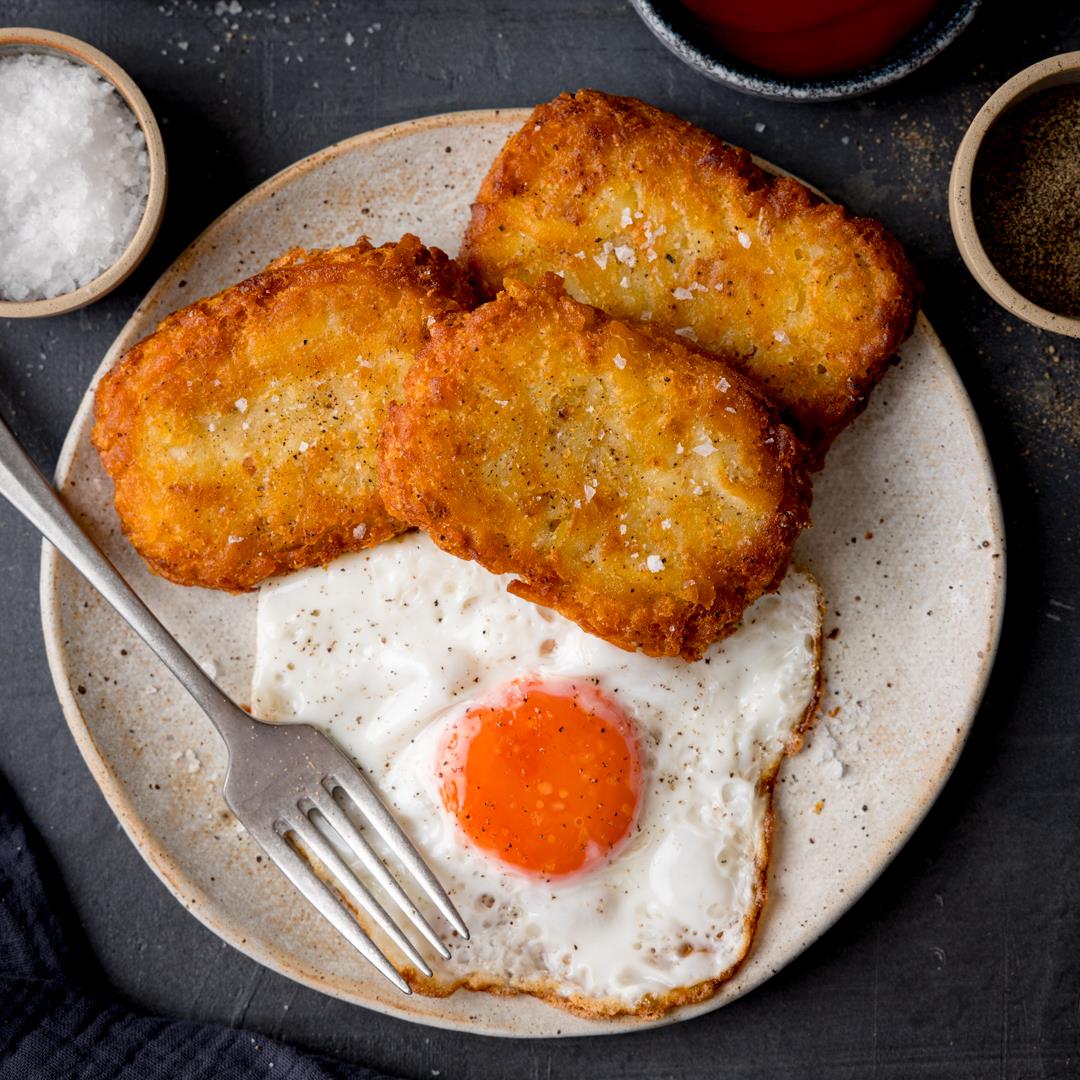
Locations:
{"points": [[1026, 198]]}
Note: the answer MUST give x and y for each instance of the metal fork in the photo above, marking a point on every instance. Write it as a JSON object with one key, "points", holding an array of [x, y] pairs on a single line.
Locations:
{"points": [[281, 777]]}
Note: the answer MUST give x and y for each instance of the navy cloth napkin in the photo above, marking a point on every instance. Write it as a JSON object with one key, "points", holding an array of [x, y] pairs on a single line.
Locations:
{"points": [[55, 1025]]}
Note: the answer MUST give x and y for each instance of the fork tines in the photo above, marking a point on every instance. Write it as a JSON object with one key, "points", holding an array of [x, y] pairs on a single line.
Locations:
{"points": [[296, 842]]}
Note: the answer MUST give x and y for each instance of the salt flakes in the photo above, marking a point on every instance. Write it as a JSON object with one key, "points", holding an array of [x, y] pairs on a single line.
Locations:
{"points": [[590, 491], [74, 174], [619, 361], [705, 448], [687, 332], [241, 404], [666, 523], [627, 218], [780, 337], [744, 238], [625, 254], [654, 563], [682, 294], [359, 531]]}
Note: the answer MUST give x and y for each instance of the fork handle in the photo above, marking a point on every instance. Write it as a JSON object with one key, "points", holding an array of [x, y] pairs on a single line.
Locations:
{"points": [[24, 486]]}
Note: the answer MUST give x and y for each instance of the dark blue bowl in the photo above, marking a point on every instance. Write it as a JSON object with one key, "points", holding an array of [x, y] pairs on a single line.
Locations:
{"points": [[683, 33]]}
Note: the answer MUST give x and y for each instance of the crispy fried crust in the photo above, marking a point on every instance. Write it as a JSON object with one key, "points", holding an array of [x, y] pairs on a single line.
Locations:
{"points": [[242, 434], [648, 216], [643, 490]]}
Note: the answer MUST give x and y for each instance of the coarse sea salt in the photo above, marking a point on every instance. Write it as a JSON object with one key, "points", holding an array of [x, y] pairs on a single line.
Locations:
{"points": [[74, 176]]}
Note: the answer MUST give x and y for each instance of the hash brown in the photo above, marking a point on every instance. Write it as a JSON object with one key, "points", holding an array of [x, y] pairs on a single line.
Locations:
{"points": [[640, 488], [647, 216], [242, 434]]}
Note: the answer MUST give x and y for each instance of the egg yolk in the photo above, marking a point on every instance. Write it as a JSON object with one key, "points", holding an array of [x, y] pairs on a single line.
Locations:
{"points": [[545, 778]]}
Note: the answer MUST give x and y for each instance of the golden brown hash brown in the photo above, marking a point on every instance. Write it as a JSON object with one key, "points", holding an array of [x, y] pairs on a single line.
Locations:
{"points": [[641, 488], [649, 217], [242, 435]]}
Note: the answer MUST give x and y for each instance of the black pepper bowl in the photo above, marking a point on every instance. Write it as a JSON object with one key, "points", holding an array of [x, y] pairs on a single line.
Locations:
{"points": [[684, 34], [1059, 70]]}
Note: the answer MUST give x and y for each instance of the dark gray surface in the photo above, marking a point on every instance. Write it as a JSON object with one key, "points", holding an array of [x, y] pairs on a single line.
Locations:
{"points": [[963, 960]]}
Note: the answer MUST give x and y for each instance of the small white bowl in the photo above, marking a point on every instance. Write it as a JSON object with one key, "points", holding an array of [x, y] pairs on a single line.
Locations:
{"points": [[17, 40]]}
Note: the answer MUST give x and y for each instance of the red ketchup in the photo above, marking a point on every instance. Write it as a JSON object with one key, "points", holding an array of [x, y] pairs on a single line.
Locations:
{"points": [[810, 37]]}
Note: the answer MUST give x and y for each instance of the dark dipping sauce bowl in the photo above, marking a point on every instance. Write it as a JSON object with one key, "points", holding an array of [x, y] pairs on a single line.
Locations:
{"points": [[692, 41], [970, 180]]}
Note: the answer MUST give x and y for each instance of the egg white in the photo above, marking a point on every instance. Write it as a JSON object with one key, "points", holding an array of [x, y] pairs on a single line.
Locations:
{"points": [[384, 648]]}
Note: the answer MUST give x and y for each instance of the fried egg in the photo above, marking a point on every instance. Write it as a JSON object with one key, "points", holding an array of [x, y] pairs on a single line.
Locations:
{"points": [[601, 819]]}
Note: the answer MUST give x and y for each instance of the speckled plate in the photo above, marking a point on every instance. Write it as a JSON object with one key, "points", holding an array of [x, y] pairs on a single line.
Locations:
{"points": [[907, 544]]}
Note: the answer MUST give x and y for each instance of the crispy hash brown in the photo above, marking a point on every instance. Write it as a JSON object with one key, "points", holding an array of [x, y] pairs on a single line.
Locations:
{"points": [[242, 434], [638, 487], [649, 217]]}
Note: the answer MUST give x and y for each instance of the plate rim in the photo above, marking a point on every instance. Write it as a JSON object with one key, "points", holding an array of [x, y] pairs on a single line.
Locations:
{"points": [[204, 907]]}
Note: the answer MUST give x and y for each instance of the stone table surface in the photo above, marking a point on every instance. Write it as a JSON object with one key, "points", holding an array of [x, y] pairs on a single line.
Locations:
{"points": [[964, 959]]}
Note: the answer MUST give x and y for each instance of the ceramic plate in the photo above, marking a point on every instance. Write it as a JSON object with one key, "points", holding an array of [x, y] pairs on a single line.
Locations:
{"points": [[907, 544]]}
